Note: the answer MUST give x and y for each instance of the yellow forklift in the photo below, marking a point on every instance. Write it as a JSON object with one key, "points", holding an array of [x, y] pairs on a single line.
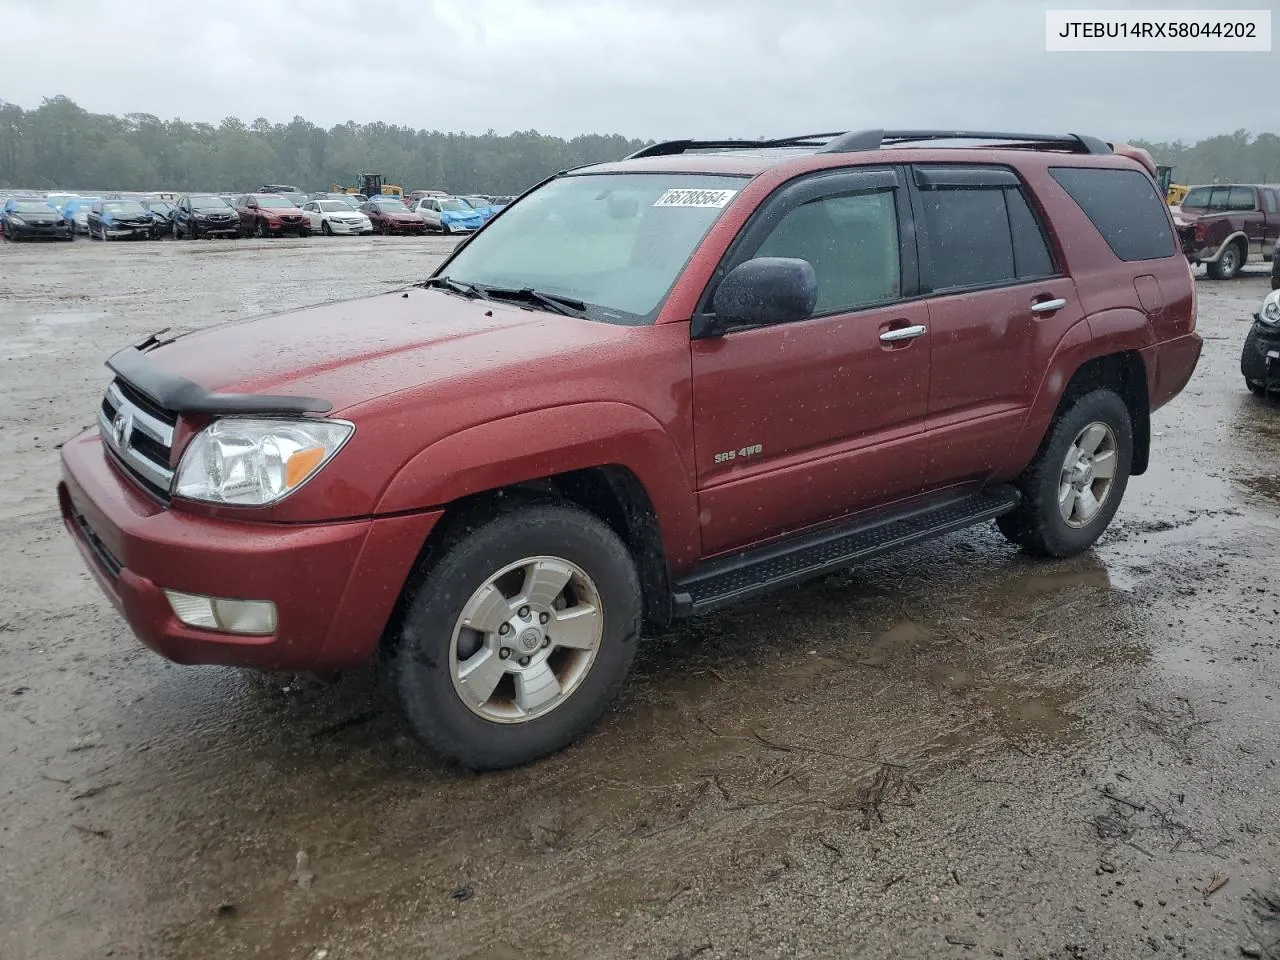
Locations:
{"points": [[1174, 193], [371, 185]]}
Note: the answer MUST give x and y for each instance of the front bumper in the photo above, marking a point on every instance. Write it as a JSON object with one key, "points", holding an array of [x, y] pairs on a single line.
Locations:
{"points": [[334, 584], [336, 226], [1260, 359], [400, 226], [29, 231], [216, 228], [132, 230]]}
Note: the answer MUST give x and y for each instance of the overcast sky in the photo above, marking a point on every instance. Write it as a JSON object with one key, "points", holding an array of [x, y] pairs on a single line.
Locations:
{"points": [[644, 68]]}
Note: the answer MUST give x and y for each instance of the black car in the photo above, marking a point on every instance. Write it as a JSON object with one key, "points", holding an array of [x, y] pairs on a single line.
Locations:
{"points": [[120, 219], [161, 213], [1260, 362], [204, 215], [26, 219], [278, 188]]}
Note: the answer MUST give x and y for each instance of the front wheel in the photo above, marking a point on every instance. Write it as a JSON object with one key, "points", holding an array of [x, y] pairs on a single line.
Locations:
{"points": [[1227, 265], [1074, 486], [325, 228], [520, 636], [258, 231], [1275, 271]]}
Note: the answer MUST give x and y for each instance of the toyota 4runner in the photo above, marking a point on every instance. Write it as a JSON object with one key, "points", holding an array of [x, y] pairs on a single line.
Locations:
{"points": [[644, 390]]}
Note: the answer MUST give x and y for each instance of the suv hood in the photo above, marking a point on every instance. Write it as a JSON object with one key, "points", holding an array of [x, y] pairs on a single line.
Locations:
{"points": [[353, 351]]}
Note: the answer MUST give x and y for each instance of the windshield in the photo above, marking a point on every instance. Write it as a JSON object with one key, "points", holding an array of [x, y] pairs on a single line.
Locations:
{"points": [[123, 206], [298, 198], [454, 205], [33, 206], [617, 242], [159, 206], [391, 206], [205, 202], [274, 201], [334, 206], [477, 201]]}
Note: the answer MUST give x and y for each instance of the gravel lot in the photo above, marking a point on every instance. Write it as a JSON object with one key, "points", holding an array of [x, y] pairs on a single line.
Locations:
{"points": [[955, 752]]}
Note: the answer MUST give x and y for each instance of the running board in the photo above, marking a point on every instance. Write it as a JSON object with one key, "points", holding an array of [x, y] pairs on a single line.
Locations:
{"points": [[760, 570]]}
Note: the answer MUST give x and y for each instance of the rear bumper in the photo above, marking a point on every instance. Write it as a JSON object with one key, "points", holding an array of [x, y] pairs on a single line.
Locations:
{"points": [[1170, 365], [334, 584]]}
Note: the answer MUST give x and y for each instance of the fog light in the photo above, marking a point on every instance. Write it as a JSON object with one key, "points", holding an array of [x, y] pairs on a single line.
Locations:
{"points": [[254, 617]]}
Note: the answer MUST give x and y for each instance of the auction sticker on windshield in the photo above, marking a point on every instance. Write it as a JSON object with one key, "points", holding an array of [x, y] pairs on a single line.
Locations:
{"points": [[694, 198]]}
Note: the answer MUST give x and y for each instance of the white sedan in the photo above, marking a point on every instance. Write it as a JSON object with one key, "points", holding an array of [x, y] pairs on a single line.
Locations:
{"points": [[336, 216]]}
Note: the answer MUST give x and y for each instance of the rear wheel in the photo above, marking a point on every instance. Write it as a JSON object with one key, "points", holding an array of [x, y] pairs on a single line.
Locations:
{"points": [[1227, 265], [1256, 388], [1074, 486], [519, 637]]}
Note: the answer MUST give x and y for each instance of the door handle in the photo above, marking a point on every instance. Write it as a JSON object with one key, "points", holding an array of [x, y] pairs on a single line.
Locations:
{"points": [[1048, 306], [903, 333]]}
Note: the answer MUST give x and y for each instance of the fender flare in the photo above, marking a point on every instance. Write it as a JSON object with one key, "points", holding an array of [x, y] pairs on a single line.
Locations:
{"points": [[1217, 254], [1108, 332], [537, 444]]}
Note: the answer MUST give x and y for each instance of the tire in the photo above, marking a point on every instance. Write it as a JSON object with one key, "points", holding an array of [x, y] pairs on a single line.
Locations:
{"points": [[1275, 271], [325, 229], [193, 232], [174, 230], [1257, 389], [445, 229], [1038, 524], [258, 231], [1228, 265], [492, 735], [303, 234]]}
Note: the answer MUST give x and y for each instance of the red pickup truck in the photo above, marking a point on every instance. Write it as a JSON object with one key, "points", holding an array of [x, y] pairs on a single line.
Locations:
{"points": [[1225, 225], [643, 390]]}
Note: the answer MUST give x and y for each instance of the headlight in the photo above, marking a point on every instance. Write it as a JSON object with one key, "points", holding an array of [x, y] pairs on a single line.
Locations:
{"points": [[1270, 312], [14, 218], [257, 462]]}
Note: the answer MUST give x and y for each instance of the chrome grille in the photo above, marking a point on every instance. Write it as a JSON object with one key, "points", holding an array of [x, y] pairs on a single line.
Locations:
{"points": [[140, 434]]}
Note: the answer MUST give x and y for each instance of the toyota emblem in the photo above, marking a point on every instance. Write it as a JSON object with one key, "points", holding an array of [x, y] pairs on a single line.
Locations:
{"points": [[120, 430]]}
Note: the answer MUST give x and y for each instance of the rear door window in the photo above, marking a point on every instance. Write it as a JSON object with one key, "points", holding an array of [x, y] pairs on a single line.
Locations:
{"points": [[980, 230], [1269, 200], [1125, 207], [1241, 198]]}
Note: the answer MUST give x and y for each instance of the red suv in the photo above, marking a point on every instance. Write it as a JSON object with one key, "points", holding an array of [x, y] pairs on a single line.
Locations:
{"points": [[646, 389], [271, 215]]}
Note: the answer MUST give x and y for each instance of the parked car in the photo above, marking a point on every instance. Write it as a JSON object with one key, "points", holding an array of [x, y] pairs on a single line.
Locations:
{"points": [[25, 218], [336, 216], [1224, 225], [449, 215], [481, 205], [500, 202], [116, 219], [1260, 361], [271, 215], [161, 215], [415, 195], [389, 215], [199, 215], [76, 210], [297, 198], [278, 188], [659, 387]]}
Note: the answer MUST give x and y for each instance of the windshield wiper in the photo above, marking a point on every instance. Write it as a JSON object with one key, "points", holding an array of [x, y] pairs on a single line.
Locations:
{"points": [[458, 286], [548, 301]]}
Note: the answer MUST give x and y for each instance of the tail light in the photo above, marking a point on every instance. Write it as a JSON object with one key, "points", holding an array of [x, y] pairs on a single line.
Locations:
{"points": [[1200, 232]]}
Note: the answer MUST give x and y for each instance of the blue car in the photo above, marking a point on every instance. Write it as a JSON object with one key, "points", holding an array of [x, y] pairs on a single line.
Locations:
{"points": [[77, 211], [481, 205]]}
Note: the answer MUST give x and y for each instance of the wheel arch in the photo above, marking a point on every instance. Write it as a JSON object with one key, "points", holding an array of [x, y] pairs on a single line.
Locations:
{"points": [[1237, 237]]}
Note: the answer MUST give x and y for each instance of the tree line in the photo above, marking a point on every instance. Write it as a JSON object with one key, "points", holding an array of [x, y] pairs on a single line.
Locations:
{"points": [[60, 145]]}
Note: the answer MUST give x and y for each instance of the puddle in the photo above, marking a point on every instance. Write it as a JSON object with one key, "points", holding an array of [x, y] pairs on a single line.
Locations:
{"points": [[1266, 487]]}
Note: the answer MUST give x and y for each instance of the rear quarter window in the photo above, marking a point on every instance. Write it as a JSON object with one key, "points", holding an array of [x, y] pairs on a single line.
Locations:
{"points": [[1125, 207]]}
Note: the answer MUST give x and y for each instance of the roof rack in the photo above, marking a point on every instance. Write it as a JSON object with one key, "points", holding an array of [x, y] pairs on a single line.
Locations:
{"points": [[670, 148], [858, 140]]}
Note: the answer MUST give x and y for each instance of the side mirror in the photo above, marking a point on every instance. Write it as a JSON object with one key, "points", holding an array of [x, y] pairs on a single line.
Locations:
{"points": [[764, 290]]}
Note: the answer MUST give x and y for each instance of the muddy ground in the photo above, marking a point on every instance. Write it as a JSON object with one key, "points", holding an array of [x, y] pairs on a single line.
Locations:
{"points": [[955, 752]]}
